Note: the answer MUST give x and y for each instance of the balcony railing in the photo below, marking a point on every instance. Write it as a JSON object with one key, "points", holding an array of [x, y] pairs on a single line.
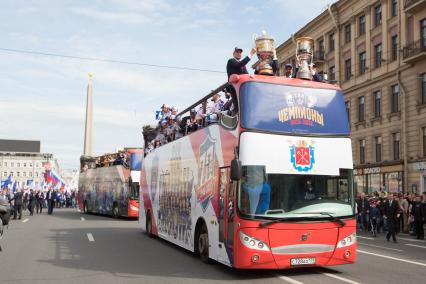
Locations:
{"points": [[413, 49], [412, 6], [319, 56]]}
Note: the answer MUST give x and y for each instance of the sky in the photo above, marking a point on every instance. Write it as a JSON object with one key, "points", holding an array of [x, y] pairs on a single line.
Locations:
{"points": [[43, 97]]}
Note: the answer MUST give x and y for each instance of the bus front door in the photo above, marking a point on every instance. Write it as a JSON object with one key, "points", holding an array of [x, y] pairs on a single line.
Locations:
{"points": [[226, 218]]}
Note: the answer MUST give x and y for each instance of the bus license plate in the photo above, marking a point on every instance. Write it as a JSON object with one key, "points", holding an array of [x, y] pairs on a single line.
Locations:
{"points": [[302, 261]]}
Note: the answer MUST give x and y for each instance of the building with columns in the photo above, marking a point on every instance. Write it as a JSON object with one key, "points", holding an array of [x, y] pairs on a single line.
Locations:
{"points": [[376, 52]]}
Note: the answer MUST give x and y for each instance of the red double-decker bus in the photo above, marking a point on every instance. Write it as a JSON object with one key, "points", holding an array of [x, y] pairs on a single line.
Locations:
{"points": [[111, 187], [269, 187]]}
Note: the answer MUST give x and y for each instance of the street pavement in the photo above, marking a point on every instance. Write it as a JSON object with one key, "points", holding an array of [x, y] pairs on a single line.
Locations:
{"points": [[71, 247]]}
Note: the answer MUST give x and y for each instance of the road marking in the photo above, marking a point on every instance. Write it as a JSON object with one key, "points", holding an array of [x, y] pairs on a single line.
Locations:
{"points": [[417, 246], [364, 244], [82, 219], [393, 258], [365, 238], [412, 240], [90, 237], [289, 280], [25, 220], [340, 278]]}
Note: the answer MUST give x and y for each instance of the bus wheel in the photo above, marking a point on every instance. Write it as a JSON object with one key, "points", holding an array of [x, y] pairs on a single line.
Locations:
{"points": [[115, 210], [203, 244], [85, 208], [149, 225]]}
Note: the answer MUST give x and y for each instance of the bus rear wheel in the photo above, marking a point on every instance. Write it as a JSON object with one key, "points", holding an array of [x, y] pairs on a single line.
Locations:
{"points": [[149, 225], [115, 210], [203, 244], [85, 208]]}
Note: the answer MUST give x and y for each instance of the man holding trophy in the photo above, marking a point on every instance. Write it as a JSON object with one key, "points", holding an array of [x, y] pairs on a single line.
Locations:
{"points": [[236, 65]]}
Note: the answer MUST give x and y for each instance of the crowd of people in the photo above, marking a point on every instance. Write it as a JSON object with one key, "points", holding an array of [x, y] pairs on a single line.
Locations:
{"points": [[36, 200], [171, 126], [107, 160], [391, 213]]}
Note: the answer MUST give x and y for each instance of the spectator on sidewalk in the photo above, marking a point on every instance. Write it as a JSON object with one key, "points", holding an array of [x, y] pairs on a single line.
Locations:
{"points": [[363, 212], [392, 212], [418, 211]]}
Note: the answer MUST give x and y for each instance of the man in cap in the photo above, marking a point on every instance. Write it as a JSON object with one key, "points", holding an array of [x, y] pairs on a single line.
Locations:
{"points": [[288, 71], [237, 66]]}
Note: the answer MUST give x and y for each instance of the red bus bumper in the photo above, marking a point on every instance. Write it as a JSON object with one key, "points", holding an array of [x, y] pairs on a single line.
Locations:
{"points": [[133, 208], [275, 248]]}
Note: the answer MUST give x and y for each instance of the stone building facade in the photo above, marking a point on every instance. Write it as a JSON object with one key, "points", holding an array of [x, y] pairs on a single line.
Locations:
{"points": [[376, 52]]}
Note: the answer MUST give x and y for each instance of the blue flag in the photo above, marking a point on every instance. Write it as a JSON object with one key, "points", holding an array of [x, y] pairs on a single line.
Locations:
{"points": [[14, 187], [6, 182], [158, 114]]}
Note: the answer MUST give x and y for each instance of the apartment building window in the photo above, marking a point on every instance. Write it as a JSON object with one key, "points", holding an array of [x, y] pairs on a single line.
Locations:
{"points": [[394, 8], [423, 31], [362, 151], [377, 103], [423, 88], [348, 110], [348, 69], [24, 174], [36, 174], [31, 165], [5, 174], [348, 33], [321, 49], [394, 47], [378, 149], [424, 141], [396, 139], [395, 98], [30, 174], [377, 15], [361, 108], [5, 164], [25, 164], [331, 42], [17, 174], [12, 164], [11, 174], [378, 55], [18, 164], [362, 63], [332, 74], [361, 25]]}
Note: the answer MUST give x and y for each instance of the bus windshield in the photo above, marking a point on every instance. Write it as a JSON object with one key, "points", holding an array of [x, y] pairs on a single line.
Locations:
{"points": [[290, 109], [269, 196]]}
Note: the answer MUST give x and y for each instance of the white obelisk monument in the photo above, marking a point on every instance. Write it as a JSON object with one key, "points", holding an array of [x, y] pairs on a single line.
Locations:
{"points": [[88, 131]]}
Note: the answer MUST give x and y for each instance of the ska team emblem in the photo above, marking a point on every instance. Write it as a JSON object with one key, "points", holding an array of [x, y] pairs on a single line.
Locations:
{"points": [[302, 156]]}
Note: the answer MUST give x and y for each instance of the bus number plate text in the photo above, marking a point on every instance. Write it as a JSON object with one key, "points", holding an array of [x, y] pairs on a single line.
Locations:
{"points": [[302, 261]]}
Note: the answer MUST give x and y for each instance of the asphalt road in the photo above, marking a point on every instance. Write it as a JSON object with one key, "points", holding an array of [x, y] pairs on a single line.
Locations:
{"points": [[71, 247]]}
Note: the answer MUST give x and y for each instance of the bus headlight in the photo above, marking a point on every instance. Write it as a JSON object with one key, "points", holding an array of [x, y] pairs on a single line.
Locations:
{"points": [[134, 208], [253, 243], [347, 241]]}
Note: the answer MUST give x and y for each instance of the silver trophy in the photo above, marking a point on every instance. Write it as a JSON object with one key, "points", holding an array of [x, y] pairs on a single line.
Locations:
{"points": [[304, 57]]}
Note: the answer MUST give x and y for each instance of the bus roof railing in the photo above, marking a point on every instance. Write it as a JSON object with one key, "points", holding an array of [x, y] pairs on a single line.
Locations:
{"points": [[206, 97]]}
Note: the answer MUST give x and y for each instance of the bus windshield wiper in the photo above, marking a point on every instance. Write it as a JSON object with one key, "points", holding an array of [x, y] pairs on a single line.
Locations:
{"points": [[264, 224], [332, 218]]}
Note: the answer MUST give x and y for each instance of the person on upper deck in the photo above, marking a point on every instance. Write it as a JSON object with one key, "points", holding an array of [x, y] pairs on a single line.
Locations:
{"points": [[288, 71], [237, 66]]}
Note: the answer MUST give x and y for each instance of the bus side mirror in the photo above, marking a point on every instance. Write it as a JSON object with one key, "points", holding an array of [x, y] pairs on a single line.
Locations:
{"points": [[236, 170]]}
